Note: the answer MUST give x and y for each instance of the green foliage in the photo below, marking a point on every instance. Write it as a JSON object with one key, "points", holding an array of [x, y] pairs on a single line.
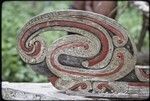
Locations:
{"points": [[15, 14], [131, 19]]}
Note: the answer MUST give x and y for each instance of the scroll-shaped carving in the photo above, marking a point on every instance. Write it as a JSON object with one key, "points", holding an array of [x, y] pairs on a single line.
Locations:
{"points": [[142, 73], [100, 51]]}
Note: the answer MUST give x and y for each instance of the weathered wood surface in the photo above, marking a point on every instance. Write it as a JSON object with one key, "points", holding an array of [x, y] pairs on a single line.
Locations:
{"points": [[34, 91], [101, 58], [45, 91]]}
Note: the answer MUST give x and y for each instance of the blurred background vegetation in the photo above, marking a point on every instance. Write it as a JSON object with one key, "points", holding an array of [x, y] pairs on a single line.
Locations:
{"points": [[15, 14]]}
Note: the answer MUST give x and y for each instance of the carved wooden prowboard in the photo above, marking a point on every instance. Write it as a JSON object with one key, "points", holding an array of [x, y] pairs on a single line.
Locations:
{"points": [[100, 58]]}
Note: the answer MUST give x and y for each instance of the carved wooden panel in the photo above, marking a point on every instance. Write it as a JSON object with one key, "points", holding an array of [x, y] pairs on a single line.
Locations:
{"points": [[99, 53]]}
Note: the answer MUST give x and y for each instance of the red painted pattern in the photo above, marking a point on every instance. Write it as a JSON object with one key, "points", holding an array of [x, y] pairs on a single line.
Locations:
{"points": [[101, 36], [53, 80], [105, 85], [138, 84], [143, 73], [98, 33], [120, 56], [105, 25], [76, 86]]}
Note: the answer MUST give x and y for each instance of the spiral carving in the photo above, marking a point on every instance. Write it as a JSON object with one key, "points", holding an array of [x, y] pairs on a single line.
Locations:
{"points": [[103, 87], [73, 85], [100, 51], [142, 73]]}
